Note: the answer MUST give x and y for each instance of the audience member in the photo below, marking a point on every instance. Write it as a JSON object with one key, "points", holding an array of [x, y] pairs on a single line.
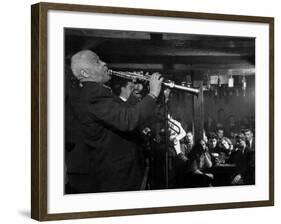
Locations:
{"points": [[200, 162], [242, 157]]}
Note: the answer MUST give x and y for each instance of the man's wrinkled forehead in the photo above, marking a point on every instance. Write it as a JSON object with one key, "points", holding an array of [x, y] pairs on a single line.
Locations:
{"points": [[91, 55]]}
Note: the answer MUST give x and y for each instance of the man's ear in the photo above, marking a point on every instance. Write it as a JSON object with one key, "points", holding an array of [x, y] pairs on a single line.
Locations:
{"points": [[84, 73]]}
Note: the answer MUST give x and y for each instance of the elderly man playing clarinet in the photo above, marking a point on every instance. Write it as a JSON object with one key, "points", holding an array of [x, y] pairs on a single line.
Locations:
{"points": [[113, 155]]}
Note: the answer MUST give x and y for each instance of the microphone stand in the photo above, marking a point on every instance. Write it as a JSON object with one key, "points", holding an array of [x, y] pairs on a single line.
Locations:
{"points": [[167, 137]]}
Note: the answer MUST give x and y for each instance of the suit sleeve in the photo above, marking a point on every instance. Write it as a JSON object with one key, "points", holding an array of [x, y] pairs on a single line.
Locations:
{"points": [[121, 117]]}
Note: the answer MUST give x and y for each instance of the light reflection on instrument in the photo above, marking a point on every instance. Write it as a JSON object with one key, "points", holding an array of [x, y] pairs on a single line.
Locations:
{"points": [[135, 76]]}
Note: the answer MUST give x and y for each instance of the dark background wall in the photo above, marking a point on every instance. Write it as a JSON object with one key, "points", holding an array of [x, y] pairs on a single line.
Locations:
{"points": [[187, 58]]}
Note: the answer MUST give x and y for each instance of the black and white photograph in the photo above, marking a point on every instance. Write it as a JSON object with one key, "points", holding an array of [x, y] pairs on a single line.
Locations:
{"points": [[141, 111], [148, 111]]}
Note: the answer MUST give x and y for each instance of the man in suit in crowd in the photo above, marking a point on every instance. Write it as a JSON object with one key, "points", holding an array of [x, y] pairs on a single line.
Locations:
{"points": [[250, 142], [125, 90], [113, 163], [243, 158]]}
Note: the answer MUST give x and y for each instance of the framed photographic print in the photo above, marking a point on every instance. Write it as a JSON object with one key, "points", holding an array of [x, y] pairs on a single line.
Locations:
{"points": [[138, 111]]}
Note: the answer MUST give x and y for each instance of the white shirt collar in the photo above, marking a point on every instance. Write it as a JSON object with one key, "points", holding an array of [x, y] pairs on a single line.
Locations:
{"points": [[123, 98]]}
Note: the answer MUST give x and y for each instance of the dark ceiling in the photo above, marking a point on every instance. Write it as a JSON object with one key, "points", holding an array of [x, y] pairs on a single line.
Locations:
{"points": [[171, 54]]}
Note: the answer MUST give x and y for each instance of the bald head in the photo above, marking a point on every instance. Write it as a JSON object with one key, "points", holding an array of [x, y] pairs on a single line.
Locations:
{"points": [[81, 61], [86, 66]]}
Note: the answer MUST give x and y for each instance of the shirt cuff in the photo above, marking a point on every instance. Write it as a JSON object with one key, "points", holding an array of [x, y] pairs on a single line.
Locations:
{"points": [[153, 96]]}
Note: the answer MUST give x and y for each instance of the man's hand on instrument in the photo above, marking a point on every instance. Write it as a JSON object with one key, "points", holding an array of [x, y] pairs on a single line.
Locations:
{"points": [[155, 84]]}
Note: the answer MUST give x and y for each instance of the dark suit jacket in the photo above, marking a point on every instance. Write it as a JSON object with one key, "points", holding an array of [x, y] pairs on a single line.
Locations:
{"points": [[105, 121], [253, 146], [245, 162]]}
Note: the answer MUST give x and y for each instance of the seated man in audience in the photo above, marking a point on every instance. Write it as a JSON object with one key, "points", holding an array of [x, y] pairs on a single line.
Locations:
{"points": [[242, 157], [250, 142], [220, 133], [213, 143]]}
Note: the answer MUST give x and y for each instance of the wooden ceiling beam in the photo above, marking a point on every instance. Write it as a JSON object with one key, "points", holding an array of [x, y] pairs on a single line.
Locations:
{"points": [[187, 60]]}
